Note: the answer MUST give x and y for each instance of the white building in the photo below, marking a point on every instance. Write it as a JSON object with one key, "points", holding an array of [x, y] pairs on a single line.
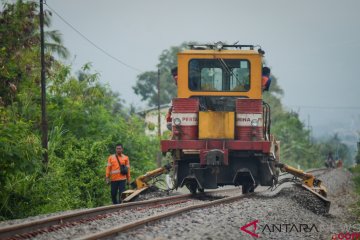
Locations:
{"points": [[151, 119]]}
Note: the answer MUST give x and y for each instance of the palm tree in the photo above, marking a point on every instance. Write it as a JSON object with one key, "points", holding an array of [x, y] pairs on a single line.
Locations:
{"points": [[20, 43]]}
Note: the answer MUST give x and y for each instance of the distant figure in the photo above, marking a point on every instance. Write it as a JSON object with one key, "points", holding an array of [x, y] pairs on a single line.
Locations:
{"points": [[339, 163], [330, 162], [194, 75], [169, 118], [174, 73], [266, 80]]}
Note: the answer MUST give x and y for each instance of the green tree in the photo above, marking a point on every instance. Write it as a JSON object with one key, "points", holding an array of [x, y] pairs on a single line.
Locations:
{"points": [[19, 41], [296, 149], [20, 147], [85, 119], [295, 146], [83, 131], [85, 110], [357, 157], [146, 84], [335, 146]]}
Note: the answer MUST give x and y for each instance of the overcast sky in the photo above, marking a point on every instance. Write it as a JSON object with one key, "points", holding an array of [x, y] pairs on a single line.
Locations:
{"points": [[312, 46]]}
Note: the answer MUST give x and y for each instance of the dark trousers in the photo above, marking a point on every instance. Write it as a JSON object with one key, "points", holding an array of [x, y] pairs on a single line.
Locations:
{"points": [[117, 186]]}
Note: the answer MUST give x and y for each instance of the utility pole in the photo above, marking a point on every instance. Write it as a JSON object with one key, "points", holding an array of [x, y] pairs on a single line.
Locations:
{"points": [[159, 120], [158, 103], [308, 126], [44, 127], [357, 158]]}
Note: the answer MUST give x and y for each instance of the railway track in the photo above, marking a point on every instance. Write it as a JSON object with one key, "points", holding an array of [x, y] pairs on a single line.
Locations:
{"points": [[319, 171], [172, 213], [153, 210], [148, 220], [28, 230]]}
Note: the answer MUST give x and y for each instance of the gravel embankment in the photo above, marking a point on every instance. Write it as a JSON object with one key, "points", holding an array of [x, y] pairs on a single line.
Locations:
{"points": [[114, 219], [287, 210], [286, 213]]}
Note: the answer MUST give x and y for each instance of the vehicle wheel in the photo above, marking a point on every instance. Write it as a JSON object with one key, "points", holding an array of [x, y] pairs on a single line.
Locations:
{"points": [[192, 188], [248, 188]]}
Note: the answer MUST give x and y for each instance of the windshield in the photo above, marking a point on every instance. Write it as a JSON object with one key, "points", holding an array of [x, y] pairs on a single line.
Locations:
{"points": [[220, 75]]}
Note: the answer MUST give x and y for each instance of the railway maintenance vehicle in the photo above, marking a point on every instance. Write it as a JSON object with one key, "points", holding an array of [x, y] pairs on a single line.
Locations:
{"points": [[221, 125]]}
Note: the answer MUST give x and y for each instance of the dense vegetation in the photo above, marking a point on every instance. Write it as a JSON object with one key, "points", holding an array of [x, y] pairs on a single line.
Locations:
{"points": [[85, 120], [357, 157], [356, 171]]}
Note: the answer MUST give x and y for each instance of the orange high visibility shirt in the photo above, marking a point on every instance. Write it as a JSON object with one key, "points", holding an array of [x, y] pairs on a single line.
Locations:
{"points": [[264, 80], [113, 168]]}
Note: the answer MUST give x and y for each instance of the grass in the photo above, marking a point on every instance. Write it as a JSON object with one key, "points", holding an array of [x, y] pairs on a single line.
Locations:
{"points": [[356, 172]]}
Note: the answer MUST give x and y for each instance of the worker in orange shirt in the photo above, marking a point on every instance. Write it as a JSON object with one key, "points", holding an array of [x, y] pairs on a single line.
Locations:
{"points": [[265, 79], [117, 172], [174, 74]]}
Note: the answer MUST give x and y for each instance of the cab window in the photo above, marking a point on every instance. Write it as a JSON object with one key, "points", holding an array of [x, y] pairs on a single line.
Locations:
{"points": [[226, 75]]}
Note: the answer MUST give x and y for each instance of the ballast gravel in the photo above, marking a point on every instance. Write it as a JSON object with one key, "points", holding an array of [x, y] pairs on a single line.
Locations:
{"points": [[279, 216], [117, 218]]}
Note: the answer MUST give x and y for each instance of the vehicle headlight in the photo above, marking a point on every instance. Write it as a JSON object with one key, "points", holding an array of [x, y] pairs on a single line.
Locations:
{"points": [[254, 122], [219, 45], [177, 121]]}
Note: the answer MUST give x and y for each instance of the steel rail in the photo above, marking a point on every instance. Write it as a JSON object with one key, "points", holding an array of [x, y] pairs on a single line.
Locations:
{"points": [[11, 230], [316, 170], [36, 225], [135, 224]]}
